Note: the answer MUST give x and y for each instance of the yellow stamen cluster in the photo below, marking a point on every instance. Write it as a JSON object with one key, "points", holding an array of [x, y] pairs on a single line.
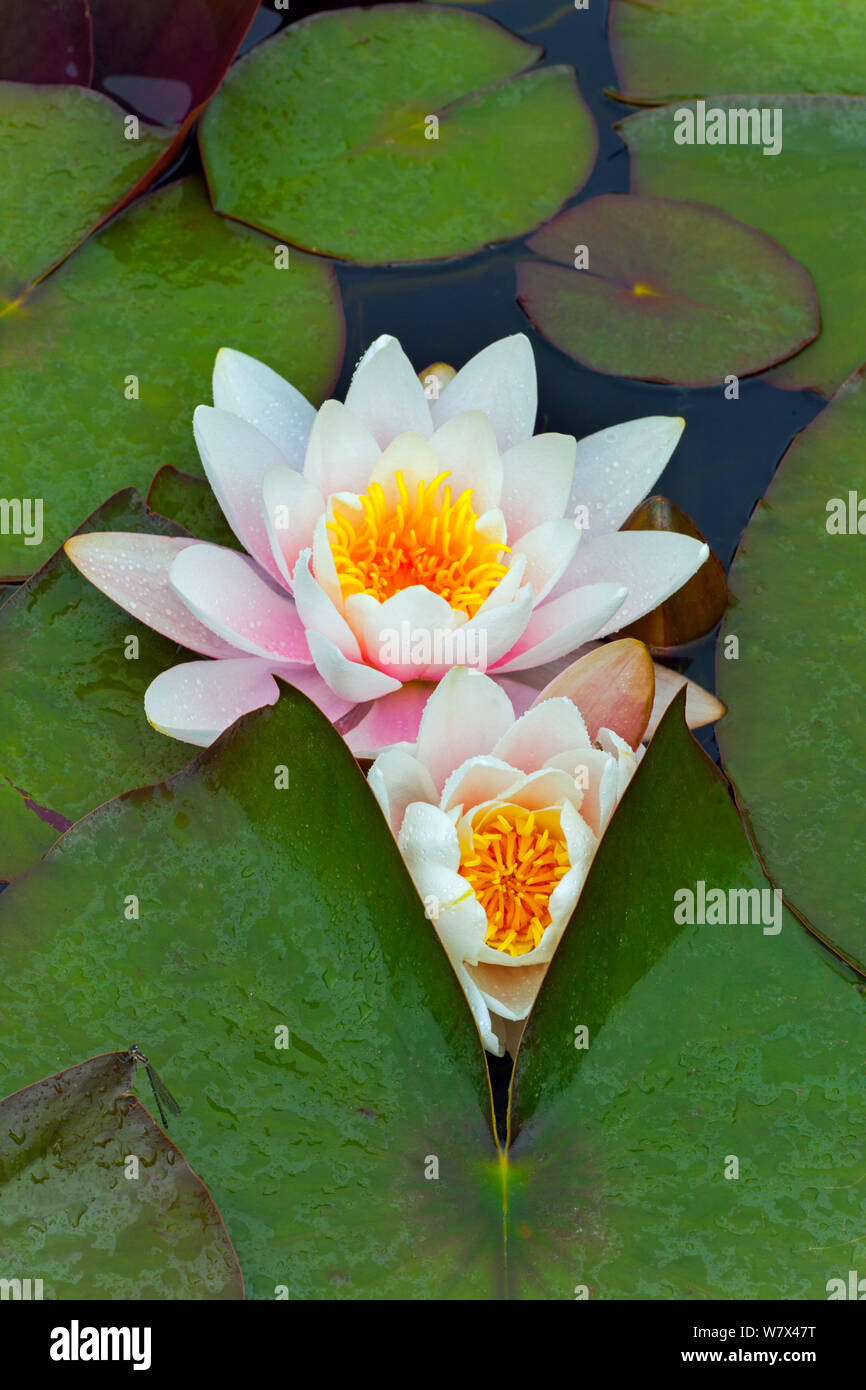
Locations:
{"points": [[430, 541], [514, 864]]}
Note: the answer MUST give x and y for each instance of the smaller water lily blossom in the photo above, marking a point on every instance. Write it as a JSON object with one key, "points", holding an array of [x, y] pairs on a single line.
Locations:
{"points": [[497, 818], [389, 538]]}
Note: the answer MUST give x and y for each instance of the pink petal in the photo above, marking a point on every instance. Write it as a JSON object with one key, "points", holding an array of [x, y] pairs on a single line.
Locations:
{"points": [[236, 457], [133, 570], [291, 507], [394, 718], [465, 715], [248, 388], [561, 624], [386, 394], [404, 634], [195, 702], [310, 683], [549, 549], [227, 592], [500, 380], [316, 611], [397, 779], [540, 734]]}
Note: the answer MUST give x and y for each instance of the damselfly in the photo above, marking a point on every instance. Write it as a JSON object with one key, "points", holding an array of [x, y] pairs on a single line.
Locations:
{"points": [[161, 1094]]}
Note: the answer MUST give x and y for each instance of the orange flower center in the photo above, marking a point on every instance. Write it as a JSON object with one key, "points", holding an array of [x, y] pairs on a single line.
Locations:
{"points": [[515, 860], [431, 541]]}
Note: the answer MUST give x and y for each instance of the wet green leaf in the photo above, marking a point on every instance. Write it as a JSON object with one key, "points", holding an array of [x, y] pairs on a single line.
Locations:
{"points": [[705, 1043], [323, 135], [271, 916], [65, 164], [191, 503], [811, 198], [664, 49], [73, 732], [796, 686], [96, 1202], [665, 291], [143, 308]]}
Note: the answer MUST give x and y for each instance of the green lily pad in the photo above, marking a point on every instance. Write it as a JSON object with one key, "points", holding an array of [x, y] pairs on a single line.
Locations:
{"points": [[706, 1043], [65, 164], [356, 1160], [97, 1203], [321, 135], [143, 307], [165, 59], [811, 198], [796, 690], [668, 291], [46, 41], [688, 48], [191, 503], [73, 731]]}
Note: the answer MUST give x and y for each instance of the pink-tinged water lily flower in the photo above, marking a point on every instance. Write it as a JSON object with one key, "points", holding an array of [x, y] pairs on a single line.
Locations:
{"points": [[497, 819], [390, 538]]}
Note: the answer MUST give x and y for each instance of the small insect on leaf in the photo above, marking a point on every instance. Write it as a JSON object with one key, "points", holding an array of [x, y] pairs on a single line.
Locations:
{"points": [[161, 1094]]}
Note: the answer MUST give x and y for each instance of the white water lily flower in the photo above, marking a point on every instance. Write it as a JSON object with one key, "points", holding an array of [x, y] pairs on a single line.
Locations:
{"points": [[497, 819], [390, 538]]}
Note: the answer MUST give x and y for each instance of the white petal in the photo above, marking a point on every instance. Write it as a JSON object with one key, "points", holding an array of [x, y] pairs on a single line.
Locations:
{"points": [[596, 773], [353, 680], [427, 833], [236, 456], [627, 758], [291, 508], [477, 779], [563, 624], [616, 468], [464, 717], [248, 388], [498, 629], [536, 481], [456, 913], [195, 702], [404, 634], [386, 394], [397, 779], [500, 380], [652, 565], [549, 549], [466, 446], [509, 990], [341, 453], [317, 612], [480, 1012]]}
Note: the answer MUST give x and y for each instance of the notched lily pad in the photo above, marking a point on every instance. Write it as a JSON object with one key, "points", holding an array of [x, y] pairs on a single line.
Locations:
{"points": [[105, 361], [693, 610], [395, 133], [811, 198], [665, 291], [191, 503], [97, 1203]]}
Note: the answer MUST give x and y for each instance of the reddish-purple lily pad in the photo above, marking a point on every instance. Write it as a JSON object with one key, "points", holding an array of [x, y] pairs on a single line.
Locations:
{"points": [[46, 41], [97, 1202], [165, 59], [666, 291]]}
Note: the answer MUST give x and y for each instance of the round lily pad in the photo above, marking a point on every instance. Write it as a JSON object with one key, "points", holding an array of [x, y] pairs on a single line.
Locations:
{"points": [[665, 291], [105, 361], [811, 198], [395, 133]]}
